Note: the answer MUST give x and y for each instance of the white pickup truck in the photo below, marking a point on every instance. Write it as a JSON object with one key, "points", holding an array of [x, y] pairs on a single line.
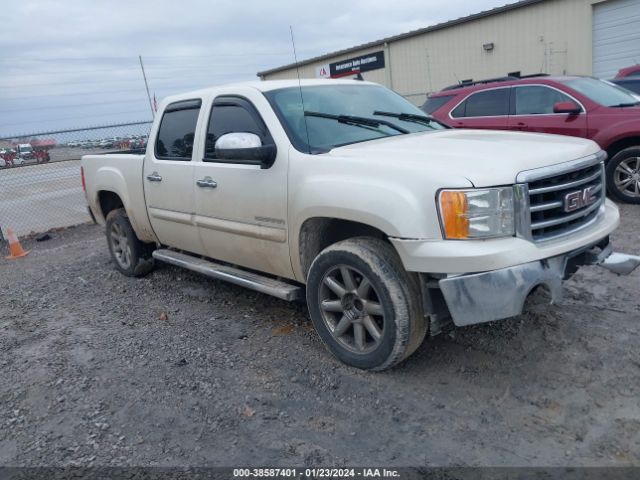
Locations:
{"points": [[392, 223]]}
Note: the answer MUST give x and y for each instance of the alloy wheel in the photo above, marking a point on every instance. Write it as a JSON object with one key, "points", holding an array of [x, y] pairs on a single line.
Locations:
{"points": [[120, 245], [351, 309], [627, 176]]}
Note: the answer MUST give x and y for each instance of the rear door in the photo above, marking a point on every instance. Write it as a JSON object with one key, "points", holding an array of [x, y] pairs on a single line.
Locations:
{"points": [[241, 208], [532, 111], [168, 177], [483, 109]]}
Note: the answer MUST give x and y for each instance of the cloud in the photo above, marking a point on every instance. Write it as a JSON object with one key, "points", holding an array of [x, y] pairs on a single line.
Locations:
{"points": [[69, 63]]}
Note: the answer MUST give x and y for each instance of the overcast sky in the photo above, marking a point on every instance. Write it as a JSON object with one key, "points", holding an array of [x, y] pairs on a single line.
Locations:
{"points": [[74, 63]]}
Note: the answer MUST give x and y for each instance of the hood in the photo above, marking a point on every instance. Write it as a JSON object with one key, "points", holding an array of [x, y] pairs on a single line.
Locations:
{"points": [[626, 112], [484, 157]]}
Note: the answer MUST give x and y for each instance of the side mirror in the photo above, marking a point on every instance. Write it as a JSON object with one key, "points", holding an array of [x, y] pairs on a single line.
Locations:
{"points": [[569, 107], [244, 147]]}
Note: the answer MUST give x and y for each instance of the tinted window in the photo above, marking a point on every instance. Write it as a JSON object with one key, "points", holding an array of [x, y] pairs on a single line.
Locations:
{"points": [[233, 115], [631, 85], [177, 131], [459, 110], [602, 92], [434, 103], [484, 104], [537, 100]]}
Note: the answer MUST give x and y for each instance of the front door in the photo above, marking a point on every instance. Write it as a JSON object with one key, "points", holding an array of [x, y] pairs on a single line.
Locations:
{"points": [[168, 177], [241, 207], [533, 112]]}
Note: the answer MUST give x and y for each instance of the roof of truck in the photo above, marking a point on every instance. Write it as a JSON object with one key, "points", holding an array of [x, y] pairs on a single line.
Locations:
{"points": [[266, 86]]}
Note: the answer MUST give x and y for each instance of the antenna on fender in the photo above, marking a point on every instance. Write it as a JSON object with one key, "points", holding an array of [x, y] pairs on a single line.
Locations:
{"points": [[304, 116]]}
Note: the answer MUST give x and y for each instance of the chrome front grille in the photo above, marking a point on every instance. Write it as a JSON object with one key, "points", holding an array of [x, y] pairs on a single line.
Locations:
{"points": [[559, 200]]}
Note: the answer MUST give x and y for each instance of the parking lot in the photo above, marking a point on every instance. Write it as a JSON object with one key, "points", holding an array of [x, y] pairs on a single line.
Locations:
{"points": [[174, 369]]}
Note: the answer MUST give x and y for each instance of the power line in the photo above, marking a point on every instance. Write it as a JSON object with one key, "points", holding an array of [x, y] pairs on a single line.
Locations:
{"points": [[83, 94], [71, 72], [105, 92], [72, 105], [150, 67], [71, 118], [107, 81], [231, 55]]}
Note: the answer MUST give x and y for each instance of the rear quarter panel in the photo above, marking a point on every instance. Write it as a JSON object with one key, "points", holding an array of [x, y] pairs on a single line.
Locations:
{"points": [[122, 175]]}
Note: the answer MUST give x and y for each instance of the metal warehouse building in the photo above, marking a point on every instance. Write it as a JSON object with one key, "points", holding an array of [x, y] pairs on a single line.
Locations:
{"points": [[584, 37]]}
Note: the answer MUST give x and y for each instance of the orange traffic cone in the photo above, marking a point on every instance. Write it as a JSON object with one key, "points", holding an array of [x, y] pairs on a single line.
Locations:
{"points": [[15, 249]]}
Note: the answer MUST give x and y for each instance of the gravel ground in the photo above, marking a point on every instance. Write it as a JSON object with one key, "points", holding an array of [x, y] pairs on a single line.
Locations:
{"points": [[174, 369]]}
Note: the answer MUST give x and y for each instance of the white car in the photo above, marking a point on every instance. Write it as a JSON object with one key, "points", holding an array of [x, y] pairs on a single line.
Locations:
{"points": [[391, 224], [16, 161]]}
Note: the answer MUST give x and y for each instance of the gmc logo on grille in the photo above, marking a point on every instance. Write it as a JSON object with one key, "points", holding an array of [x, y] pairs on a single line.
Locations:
{"points": [[580, 198]]}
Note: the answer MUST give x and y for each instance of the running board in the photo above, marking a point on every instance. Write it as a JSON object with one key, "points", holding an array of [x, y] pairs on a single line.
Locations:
{"points": [[254, 281]]}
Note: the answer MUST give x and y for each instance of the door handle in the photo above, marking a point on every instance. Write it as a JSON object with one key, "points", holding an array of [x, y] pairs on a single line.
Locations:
{"points": [[206, 182], [154, 177]]}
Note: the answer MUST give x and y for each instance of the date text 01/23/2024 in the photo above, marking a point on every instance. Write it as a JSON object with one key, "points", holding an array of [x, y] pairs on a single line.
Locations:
{"points": [[315, 473]]}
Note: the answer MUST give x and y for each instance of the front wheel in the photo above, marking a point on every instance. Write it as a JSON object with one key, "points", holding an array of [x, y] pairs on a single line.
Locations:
{"points": [[131, 256], [363, 304], [623, 175]]}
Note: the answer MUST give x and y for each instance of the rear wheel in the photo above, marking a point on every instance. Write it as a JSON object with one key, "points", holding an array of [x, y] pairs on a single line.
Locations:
{"points": [[623, 175], [131, 256], [364, 305]]}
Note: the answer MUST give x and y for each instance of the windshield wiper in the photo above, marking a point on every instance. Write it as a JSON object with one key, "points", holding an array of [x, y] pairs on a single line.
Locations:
{"points": [[410, 117], [622, 105], [359, 121]]}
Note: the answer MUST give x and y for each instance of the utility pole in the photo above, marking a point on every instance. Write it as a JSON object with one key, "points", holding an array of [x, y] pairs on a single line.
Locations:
{"points": [[429, 72], [144, 75]]}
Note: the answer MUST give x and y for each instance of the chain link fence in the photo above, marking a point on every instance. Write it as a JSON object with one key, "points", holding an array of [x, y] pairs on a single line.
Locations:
{"points": [[40, 186]]}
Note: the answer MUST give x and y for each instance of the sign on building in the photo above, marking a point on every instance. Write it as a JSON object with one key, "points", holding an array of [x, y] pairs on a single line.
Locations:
{"points": [[352, 66], [323, 71]]}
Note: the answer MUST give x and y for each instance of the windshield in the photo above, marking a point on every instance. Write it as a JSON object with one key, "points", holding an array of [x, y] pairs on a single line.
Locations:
{"points": [[337, 115], [602, 92]]}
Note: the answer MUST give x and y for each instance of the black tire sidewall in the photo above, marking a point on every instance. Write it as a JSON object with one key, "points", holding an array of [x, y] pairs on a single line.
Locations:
{"points": [[378, 357], [610, 171]]}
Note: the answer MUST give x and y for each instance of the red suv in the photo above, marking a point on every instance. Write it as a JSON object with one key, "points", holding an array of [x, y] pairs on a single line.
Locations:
{"points": [[578, 106], [632, 71]]}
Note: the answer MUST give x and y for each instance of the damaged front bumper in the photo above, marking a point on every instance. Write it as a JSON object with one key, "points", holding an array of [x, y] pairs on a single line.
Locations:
{"points": [[497, 294]]}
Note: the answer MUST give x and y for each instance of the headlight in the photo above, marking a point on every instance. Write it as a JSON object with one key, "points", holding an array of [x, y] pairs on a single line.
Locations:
{"points": [[470, 214]]}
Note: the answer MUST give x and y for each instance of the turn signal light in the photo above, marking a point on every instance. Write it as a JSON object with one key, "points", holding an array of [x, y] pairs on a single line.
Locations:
{"points": [[453, 209], [477, 213]]}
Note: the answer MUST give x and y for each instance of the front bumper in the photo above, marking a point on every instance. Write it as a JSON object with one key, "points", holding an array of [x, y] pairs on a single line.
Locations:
{"points": [[461, 256], [497, 294]]}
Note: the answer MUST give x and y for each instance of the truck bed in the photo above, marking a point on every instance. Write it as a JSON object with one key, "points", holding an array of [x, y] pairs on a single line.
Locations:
{"points": [[118, 175]]}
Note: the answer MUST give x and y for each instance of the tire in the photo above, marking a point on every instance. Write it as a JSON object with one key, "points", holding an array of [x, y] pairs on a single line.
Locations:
{"points": [[132, 257], [623, 175], [365, 307]]}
